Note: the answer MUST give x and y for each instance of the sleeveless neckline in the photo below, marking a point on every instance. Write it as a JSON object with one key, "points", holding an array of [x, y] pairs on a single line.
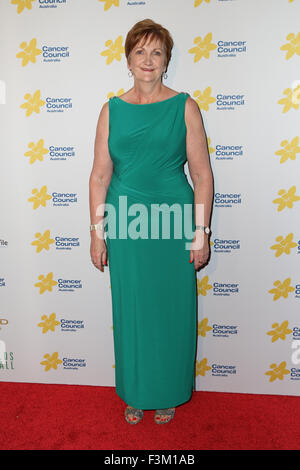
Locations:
{"points": [[149, 104]]}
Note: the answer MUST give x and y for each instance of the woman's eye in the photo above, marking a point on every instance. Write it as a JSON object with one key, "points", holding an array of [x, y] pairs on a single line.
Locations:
{"points": [[140, 51]]}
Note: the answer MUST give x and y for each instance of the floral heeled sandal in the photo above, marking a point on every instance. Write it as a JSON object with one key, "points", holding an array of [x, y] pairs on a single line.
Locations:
{"points": [[137, 415], [164, 415]]}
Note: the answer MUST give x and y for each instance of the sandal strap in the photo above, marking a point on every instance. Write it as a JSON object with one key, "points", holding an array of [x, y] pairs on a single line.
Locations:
{"points": [[165, 411]]}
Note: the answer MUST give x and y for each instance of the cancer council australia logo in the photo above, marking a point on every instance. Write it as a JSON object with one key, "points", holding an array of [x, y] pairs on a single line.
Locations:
{"points": [[286, 198], [29, 52], [289, 150], [202, 47], [203, 327], [46, 283], [51, 361], [48, 323], [202, 367], [283, 245], [40, 197], [203, 286], [36, 151], [114, 50], [43, 241], [282, 289], [33, 103], [277, 371], [279, 331]]}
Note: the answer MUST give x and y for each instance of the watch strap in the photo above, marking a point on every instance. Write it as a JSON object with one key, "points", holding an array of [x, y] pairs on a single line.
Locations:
{"points": [[206, 229]]}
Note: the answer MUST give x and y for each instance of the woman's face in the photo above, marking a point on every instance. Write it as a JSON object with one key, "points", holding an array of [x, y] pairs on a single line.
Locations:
{"points": [[147, 62]]}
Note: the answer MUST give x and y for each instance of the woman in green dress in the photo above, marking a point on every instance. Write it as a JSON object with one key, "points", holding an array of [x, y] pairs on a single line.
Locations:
{"points": [[143, 139]]}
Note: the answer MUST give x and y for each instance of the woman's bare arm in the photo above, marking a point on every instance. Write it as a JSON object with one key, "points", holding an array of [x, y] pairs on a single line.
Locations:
{"points": [[102, 166], [198, 159], [98, 184], [201, 175]]}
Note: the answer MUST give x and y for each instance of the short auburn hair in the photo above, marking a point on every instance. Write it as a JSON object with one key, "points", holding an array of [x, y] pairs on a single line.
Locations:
{"points": [[146, 28]]}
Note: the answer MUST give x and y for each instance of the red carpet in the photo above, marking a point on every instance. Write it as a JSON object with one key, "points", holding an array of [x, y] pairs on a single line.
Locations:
{"points": [[72, 417]]}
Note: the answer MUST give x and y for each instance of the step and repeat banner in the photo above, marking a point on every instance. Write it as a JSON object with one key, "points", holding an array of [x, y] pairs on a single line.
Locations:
{"points": [[61, 60]]}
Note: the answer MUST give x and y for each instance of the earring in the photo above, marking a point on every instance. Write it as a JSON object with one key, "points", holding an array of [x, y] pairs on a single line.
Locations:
{"points": [[130, 74], [165, 75]]}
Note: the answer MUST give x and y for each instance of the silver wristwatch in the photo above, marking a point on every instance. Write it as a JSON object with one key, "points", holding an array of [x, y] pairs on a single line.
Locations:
{"points": [[202, 227]]}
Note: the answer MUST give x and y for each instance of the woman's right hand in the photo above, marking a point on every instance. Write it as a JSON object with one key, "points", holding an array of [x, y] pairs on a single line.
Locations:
{"points": [[98, 251]]}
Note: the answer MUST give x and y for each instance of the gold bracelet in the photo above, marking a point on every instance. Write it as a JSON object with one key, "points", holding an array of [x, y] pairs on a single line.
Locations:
{"points": [[95, 226]]}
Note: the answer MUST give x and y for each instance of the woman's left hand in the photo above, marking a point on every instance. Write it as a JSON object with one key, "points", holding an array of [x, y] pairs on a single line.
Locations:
{"points": [[200, 249]]}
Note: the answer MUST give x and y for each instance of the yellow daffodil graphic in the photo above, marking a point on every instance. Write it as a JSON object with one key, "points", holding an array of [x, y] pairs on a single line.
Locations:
{"points": [[22, 4], [289, 150], [202, 367], [48, 323], [33, 103], [291, 100], [39, 198], [283, 245], [43, 242], [113, 366], [51, 362], [46, 283], [203, 327], [286, 199], [109, 3], [36, 152], [29, 52], [198, 2], [203, 286], [292, 47], [279, 331], [114, 51], [277, 372], [111, 94], [203, 47], [210, 149], [204, 99], [282, 289]]}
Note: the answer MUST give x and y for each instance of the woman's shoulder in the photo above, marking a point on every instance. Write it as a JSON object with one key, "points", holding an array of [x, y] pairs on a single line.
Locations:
{"points": [[191, 103], [193, 115]]}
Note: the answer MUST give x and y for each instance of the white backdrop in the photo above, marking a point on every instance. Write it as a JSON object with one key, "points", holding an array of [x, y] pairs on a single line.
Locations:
{"points": [[60, 61]]}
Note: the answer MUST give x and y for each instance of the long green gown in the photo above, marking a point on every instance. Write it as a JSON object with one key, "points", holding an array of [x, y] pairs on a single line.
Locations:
{"points": [[153, 284]]}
